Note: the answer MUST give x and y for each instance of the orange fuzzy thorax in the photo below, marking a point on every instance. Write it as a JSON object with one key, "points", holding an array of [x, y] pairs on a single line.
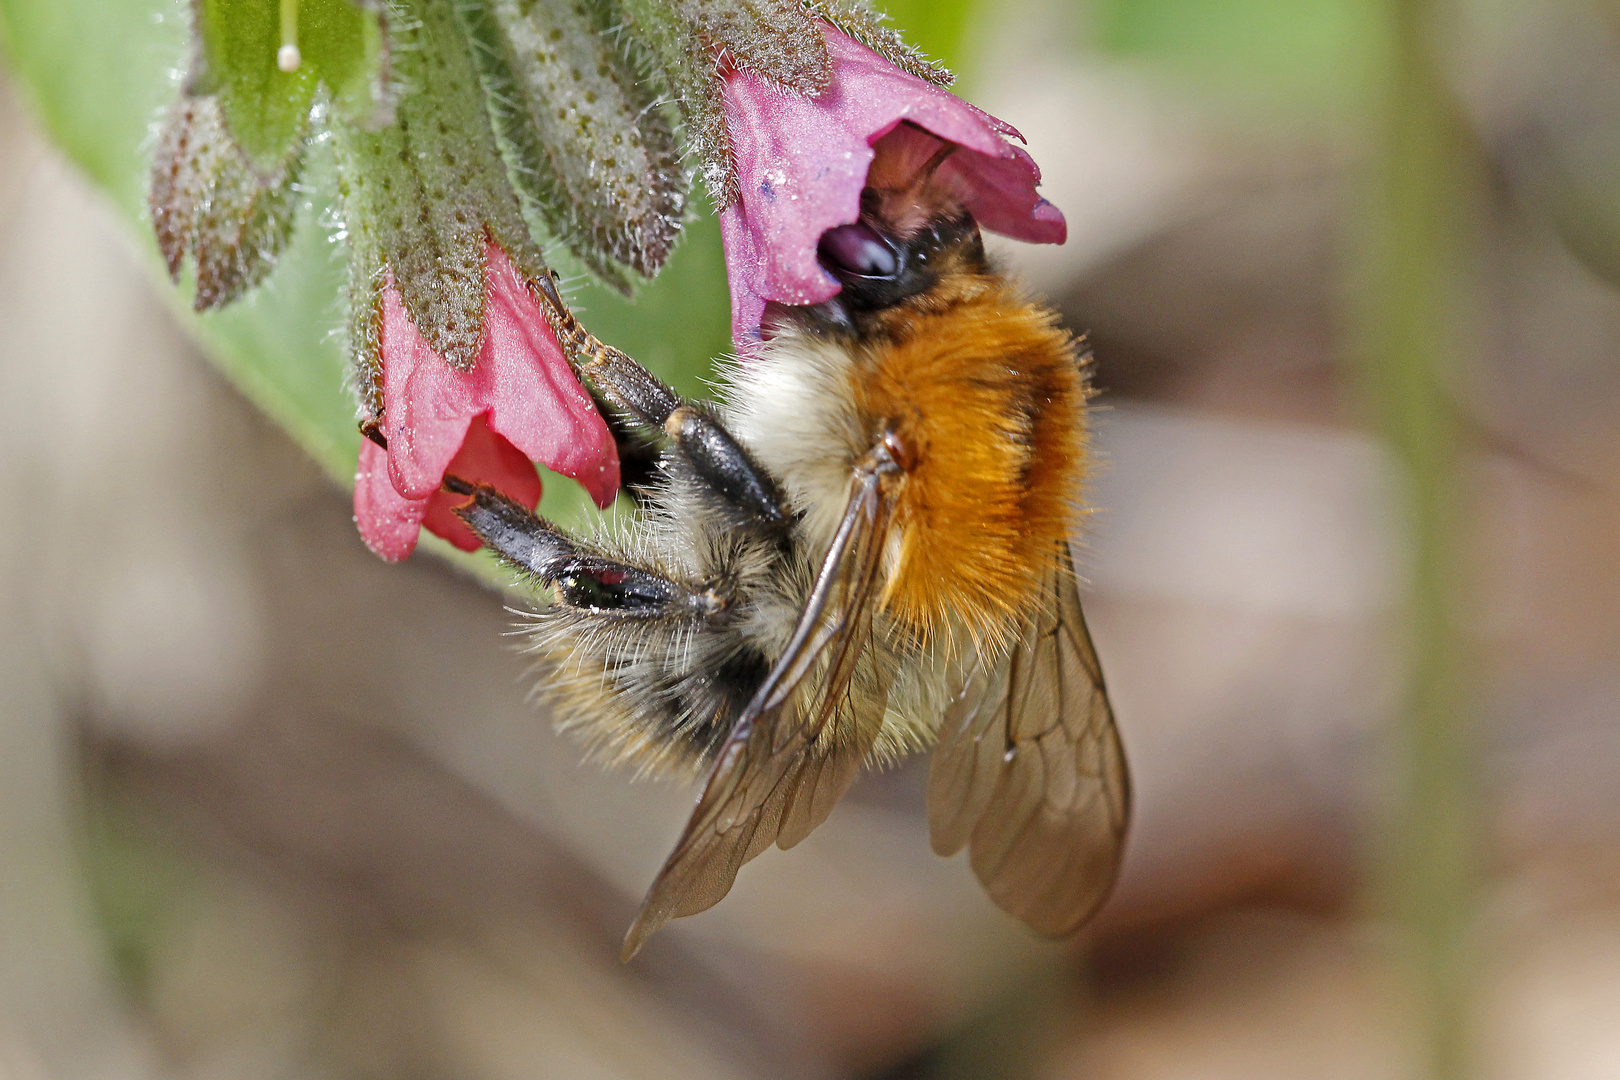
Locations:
{"points": [[987, 396]]}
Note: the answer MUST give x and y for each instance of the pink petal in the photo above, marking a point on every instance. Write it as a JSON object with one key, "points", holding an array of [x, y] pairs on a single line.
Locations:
{"points": [[387, 520], [521, 379], [999, 191], [536, 401], [485, 458], [801, 165]]}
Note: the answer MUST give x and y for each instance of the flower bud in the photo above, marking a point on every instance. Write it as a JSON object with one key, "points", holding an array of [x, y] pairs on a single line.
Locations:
{"points": [[423, 196], [340, 44], [206, 198], [231, 149], [592, 152]]}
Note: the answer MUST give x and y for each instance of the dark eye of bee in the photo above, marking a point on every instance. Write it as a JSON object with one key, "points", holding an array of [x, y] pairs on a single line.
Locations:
{"points": [[857, 249]]}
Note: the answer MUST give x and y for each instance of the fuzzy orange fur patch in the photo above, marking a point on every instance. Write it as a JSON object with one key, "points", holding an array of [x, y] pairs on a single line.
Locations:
{"points": [[988, 395]]}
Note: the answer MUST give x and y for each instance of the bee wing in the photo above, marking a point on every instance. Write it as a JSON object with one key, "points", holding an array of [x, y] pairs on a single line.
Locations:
{"points": [[775, 778], [1029, 772]]}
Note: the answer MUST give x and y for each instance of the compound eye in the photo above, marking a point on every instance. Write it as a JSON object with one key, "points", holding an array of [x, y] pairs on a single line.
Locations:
{"points": [[857, 249]]}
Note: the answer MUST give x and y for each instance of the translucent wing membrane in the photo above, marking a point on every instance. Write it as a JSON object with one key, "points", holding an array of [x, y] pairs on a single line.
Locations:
{"points": [[799, 743], [1029, 772]]}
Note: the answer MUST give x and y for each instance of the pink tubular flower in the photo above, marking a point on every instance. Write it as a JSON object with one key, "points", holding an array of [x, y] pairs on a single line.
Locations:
{"points": [[802, 162], [518, 405]]}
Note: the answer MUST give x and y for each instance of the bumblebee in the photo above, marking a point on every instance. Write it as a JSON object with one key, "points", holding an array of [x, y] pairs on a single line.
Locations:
{"points": [[861, 552]]}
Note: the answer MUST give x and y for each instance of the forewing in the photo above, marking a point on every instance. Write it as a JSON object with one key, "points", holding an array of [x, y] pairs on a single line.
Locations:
{"points": [[776, 778], [1029, 772]]}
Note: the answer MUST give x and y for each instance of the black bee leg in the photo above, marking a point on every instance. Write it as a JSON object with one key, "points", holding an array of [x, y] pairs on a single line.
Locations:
{"points": [[651, 409], [638, 454], [728, 470], [582, 578], [701, 440]]}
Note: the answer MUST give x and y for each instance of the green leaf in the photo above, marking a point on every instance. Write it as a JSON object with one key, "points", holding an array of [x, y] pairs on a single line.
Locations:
{"points": [[265, 107], [98, 75], [137, 882]]}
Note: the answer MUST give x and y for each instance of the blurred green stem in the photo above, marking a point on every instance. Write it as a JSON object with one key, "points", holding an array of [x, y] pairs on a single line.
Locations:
{"points": [[1419, 204]]}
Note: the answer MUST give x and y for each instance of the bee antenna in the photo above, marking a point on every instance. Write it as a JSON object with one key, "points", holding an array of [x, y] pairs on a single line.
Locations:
{"points": [[456, 485]]}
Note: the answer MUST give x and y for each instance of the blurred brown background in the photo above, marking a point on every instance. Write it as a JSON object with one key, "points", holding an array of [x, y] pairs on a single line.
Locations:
{"points": [[271, 808]]}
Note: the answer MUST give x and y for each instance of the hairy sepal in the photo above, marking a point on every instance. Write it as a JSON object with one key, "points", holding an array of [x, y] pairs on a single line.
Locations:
{"points": [[208, 200], [696, 41], [422, 195], [592, 153], [871, 28]]}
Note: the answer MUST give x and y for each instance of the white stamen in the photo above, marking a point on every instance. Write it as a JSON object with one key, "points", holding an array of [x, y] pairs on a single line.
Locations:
{"points": [[288, 58]]}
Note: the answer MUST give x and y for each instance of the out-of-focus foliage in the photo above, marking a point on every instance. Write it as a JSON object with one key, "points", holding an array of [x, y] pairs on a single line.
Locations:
{"points": [[939, 28], [136, 884], [1559, 140], [98, 75], [1290, 55]]}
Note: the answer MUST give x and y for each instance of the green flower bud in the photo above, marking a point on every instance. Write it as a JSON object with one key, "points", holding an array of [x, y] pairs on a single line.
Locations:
{"points": [[421, 197], [591, 152], [207, 198], [231, 148]]}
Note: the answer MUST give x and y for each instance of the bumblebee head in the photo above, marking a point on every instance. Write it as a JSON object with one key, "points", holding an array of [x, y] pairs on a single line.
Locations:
{"points": [[882, 271], [879, 268]]}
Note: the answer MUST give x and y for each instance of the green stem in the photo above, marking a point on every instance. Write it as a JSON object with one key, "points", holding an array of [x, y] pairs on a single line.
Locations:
{"points": [[1412, 281]]}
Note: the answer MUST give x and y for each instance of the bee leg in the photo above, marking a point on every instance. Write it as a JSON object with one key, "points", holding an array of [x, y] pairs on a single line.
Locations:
{"points": [[583, 578], [638, 454], [517, 535], [702, 442], [651, 409], [725, 468]]}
